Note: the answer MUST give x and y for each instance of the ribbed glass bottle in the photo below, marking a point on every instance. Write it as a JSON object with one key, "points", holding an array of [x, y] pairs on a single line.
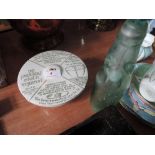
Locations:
{"points": [[115, 75]]}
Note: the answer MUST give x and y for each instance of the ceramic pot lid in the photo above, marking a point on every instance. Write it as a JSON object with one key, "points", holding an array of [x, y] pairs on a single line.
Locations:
{"points": [[52, 78]]}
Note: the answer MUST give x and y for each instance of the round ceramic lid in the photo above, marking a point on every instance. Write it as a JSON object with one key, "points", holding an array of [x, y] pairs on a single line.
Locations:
{"points": [[52, 78]]}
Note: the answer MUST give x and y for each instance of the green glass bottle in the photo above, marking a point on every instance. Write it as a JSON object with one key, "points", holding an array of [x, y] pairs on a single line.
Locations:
{"points": [[114, 76]]}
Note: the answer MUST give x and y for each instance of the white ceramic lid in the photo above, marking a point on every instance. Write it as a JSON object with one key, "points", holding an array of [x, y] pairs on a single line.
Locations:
{"points": [[52, 78]]}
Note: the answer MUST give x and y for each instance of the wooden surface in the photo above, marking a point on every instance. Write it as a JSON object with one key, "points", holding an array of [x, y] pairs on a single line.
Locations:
{"points": [[17, 116]]}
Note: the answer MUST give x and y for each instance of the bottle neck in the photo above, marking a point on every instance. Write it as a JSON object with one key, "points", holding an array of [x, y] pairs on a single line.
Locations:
{"points": [[132, 32], [129, 42]]}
